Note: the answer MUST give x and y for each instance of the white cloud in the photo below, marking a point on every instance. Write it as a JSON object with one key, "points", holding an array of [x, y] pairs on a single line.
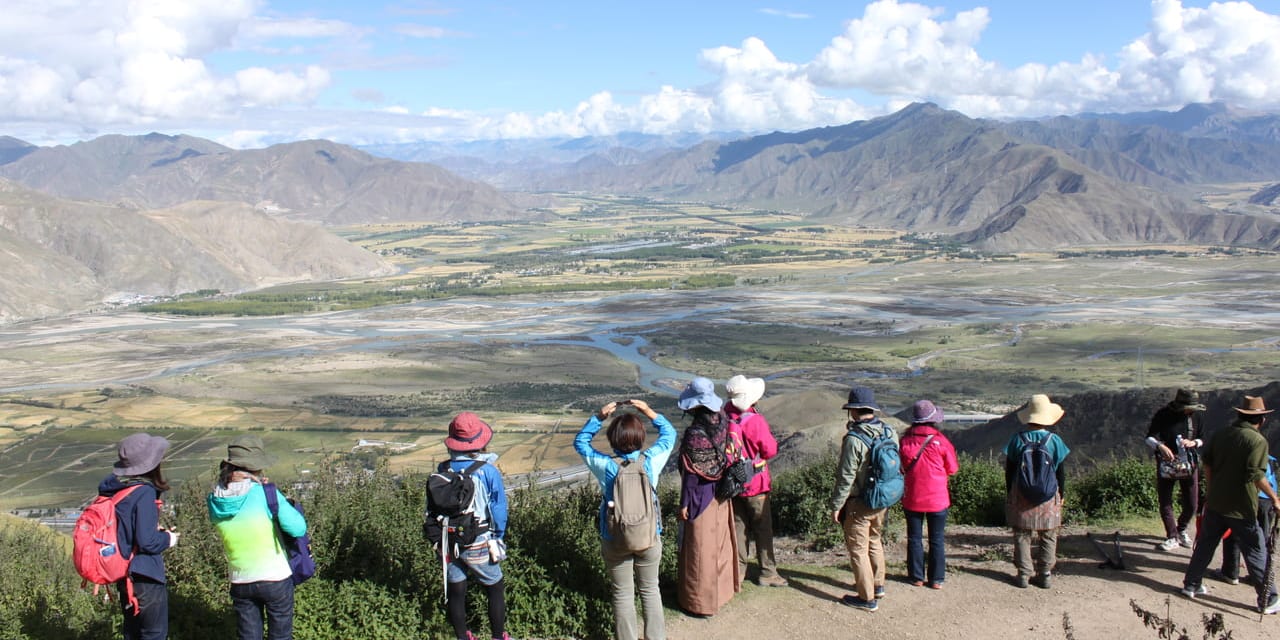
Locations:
{"points": [[783, 13], [77, 65], [425, 31], [111, 62]]}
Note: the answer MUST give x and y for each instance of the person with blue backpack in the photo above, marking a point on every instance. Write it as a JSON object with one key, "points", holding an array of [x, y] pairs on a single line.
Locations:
{"points": [[629, 564], [868, 481], [262, 583], [1035, 481]]}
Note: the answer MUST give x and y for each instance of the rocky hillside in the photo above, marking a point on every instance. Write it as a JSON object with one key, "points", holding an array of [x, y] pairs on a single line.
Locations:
{"points": [[312, 180], [1099, 425], [61, 255], [997, 186]]}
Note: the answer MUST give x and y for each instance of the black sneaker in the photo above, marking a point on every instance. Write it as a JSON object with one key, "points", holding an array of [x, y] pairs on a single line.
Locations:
{"points": [[858, 603], [879, 593]]}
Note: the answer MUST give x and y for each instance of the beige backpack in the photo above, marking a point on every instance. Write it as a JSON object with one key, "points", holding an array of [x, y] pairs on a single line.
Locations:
{"points": [[632, 516]]}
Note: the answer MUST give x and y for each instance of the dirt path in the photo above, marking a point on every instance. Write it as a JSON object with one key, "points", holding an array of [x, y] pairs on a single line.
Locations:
{"points": [[979, 600]]}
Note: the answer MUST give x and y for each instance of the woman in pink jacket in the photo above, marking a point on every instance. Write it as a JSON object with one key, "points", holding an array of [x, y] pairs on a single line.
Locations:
{"points": [[929, 461]]}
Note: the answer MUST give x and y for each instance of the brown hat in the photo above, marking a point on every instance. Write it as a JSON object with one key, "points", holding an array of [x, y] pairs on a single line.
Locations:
{"points": [[1253, 406], [467, 432]]}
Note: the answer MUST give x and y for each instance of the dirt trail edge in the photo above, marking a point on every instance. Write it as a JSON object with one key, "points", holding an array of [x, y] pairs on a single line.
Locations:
{"points": [[979, 600]]}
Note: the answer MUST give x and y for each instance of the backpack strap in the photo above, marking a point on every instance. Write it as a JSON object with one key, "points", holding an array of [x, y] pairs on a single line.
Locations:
{"points": [[919, 454]]}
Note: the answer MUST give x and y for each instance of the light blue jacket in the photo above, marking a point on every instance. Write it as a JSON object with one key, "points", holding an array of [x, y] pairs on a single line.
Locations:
{"points": [[605, 468]]}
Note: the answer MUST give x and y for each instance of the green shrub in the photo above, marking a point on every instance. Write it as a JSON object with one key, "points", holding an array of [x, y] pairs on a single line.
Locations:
{"points": [[40, 594], [801, 503], [1118, 489], [977, 493]]}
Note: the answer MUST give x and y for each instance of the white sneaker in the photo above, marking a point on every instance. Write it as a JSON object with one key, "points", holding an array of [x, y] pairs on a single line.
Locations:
{"points": [[1192, 592], [1184, 539], [1273, 606], [1168, 545]]}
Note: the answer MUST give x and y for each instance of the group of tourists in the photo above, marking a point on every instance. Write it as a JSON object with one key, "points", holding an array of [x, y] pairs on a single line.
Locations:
{"points": [[724, 509]]}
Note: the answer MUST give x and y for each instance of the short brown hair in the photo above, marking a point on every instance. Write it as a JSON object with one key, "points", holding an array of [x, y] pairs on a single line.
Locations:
{"points": [[626, 433]]}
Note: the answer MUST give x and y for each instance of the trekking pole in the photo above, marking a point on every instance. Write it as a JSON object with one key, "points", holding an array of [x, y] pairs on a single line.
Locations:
{"points": [[1269, 581]]}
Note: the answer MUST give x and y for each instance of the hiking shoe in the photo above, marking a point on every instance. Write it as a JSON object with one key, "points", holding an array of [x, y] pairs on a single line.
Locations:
{"points": [[1184, 539], [1168, 545], [774, 581], [1020, 581], [879, 592], [917, 583], [1042, 581], [1193, 592], [1273, 606], [858, 603], [935, 585], [1217, 574]]}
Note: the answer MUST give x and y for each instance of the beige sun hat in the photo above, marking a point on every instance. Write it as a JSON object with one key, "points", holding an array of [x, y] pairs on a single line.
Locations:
{"points": [[744, 392], [1039, 410]]}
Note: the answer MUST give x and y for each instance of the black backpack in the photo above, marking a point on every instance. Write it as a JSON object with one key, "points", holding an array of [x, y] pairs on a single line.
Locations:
{"points": [[451, 521], [1037, 478]]}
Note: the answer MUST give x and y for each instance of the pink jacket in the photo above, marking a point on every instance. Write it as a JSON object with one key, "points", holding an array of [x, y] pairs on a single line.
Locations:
{"points": [[926, 481], [758, 442]]}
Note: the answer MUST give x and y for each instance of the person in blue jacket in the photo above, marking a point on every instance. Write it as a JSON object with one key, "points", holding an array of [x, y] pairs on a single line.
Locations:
{"points": [[468, 440], [626, 434], [140, 536], [257, 564]]}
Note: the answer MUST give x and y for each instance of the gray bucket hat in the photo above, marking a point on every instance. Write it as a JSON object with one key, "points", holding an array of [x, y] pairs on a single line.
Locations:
{"points": [[139, 453], [246, 452]]}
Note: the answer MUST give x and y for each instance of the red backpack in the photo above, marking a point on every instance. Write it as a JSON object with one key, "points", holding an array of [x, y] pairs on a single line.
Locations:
{"points": [[96, 551]]}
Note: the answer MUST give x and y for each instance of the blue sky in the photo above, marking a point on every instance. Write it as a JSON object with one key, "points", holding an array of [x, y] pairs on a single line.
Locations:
{"points": [[252, 72]]}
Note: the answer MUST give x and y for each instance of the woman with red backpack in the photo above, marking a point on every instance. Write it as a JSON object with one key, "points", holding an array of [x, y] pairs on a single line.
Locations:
{"points": [[144, 594]]}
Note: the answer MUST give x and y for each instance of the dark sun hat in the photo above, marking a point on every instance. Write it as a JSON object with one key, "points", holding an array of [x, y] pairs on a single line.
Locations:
{"points": [[246, 452], [139, 453], [1187, 399]]}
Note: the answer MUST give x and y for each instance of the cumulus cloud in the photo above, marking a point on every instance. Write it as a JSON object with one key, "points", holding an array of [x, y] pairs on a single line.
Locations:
{"points": [[116, 63], [141, 61]]}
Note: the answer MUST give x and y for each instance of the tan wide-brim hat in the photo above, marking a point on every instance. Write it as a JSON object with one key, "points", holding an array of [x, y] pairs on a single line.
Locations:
{"points": [[1253, 406], [1039, 410], [744, 392]]}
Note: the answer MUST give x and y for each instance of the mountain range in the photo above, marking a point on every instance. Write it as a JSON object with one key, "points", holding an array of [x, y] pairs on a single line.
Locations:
{"points": [[1048, 184], [60, 255], [311, 180], [100, 215]]}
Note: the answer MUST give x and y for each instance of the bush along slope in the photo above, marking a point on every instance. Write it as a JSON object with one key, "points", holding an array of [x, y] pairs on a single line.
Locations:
{"points": [[378, 578]]}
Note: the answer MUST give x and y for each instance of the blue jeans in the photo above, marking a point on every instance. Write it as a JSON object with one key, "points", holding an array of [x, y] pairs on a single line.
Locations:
{"points": [[152, 619], [1249, 538], [252, 599], [937, 556]]}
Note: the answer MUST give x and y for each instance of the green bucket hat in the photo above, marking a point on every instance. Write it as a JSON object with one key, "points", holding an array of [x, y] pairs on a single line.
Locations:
{"points": [[246, 452]]}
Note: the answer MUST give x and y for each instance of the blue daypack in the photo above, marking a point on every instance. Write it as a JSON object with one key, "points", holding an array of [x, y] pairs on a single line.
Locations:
{"points": [[1037, 478], [884, 485], [302, 564]]}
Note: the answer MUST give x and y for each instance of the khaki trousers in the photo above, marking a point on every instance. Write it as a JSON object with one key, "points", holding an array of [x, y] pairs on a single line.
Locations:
{"points": [[753, 520], [1045, 553], [625, 571], [862, 537]]}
